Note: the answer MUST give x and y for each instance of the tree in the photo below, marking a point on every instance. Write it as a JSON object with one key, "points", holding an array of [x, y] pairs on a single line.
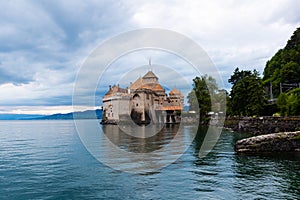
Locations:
{"points": [[284, 66], [289, 103], [290, 72], [247, 96], [282, 104], [200, 98]]}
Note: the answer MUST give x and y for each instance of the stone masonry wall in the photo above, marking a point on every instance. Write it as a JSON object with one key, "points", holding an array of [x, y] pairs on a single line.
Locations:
{"points": [[263, 125]]}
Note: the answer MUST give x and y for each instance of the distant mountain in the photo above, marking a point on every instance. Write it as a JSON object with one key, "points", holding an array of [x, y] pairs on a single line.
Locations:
{"points": [[18, 116], [88, 114]]}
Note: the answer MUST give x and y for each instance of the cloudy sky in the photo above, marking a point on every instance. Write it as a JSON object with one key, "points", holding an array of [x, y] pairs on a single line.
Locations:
{"points": [[44, 43]]}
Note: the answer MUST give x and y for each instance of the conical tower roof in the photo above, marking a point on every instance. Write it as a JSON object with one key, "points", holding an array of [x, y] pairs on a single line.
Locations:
{"points": [[175, 92], [149, 74], [138, 83]]}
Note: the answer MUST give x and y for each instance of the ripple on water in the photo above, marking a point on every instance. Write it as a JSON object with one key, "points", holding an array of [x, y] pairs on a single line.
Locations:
{"points": [[46, 160]]}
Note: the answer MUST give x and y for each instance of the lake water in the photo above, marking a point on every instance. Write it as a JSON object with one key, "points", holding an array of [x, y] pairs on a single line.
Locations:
{"points": [[47, 160]]}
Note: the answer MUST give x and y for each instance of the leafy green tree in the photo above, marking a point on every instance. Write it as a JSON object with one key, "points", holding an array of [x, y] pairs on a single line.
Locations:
{"points": [[282, 104], [296, 104], [290, 72], [289, 103], [247, 96], [200, 98], [284, 66]]}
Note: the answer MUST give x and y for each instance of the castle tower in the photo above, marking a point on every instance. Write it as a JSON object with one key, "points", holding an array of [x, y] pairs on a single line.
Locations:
{"points": [[150, 77], [176, 97], [144, 101]]}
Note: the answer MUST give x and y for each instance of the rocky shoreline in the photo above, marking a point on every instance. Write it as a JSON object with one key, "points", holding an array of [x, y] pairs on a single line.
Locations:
{"points": [[270, 134], [276, 142]]}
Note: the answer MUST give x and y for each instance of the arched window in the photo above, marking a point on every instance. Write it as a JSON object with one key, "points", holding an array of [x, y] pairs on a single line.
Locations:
{"points": [[136, 96]]}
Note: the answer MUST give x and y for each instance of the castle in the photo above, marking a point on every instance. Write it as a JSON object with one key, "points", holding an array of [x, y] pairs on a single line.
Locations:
{"points": [[144, 101]]}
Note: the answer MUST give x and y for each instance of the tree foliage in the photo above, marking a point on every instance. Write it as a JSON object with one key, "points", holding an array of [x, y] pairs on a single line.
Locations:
{"points": [[204, 92], [289, 103], [284, 66], [247, 96]]}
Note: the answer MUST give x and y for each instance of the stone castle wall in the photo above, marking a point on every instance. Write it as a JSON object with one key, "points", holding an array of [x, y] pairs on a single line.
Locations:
{"points": [[116, 107]]}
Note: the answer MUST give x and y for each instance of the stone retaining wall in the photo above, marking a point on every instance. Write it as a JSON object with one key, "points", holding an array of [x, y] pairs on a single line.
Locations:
{"points": [[263, 125]]}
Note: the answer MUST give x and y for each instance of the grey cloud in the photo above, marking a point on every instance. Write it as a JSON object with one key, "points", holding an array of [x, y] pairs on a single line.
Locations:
{"points": [[15, 78], [83, 22], [44, 42]]}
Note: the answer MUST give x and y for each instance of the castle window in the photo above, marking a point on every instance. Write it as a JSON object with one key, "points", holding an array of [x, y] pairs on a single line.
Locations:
{"points": [[108, 114], [136, 96], [137, 105]]}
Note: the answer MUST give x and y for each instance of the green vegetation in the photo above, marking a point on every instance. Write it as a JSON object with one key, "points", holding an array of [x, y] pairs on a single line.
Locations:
{"points": [[289, 103], [284, 69], [247, 96], [284, 66], [250, 93], [199, 97], [297, 137], [206, 97]]}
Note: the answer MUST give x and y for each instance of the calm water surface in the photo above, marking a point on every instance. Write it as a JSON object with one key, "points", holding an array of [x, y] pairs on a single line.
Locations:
{"points": [[47, 160]]}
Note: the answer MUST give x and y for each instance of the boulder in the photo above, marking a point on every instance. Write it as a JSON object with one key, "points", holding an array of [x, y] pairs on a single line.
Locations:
{"points": [[276, 142]]}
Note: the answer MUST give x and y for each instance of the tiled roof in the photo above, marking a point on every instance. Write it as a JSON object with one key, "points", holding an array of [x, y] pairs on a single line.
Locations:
{"points": [[141, 83], [175, 92], [137, 84], [152, 86], [150, 74], [114, 90], [158, 87], [169, 108]]}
